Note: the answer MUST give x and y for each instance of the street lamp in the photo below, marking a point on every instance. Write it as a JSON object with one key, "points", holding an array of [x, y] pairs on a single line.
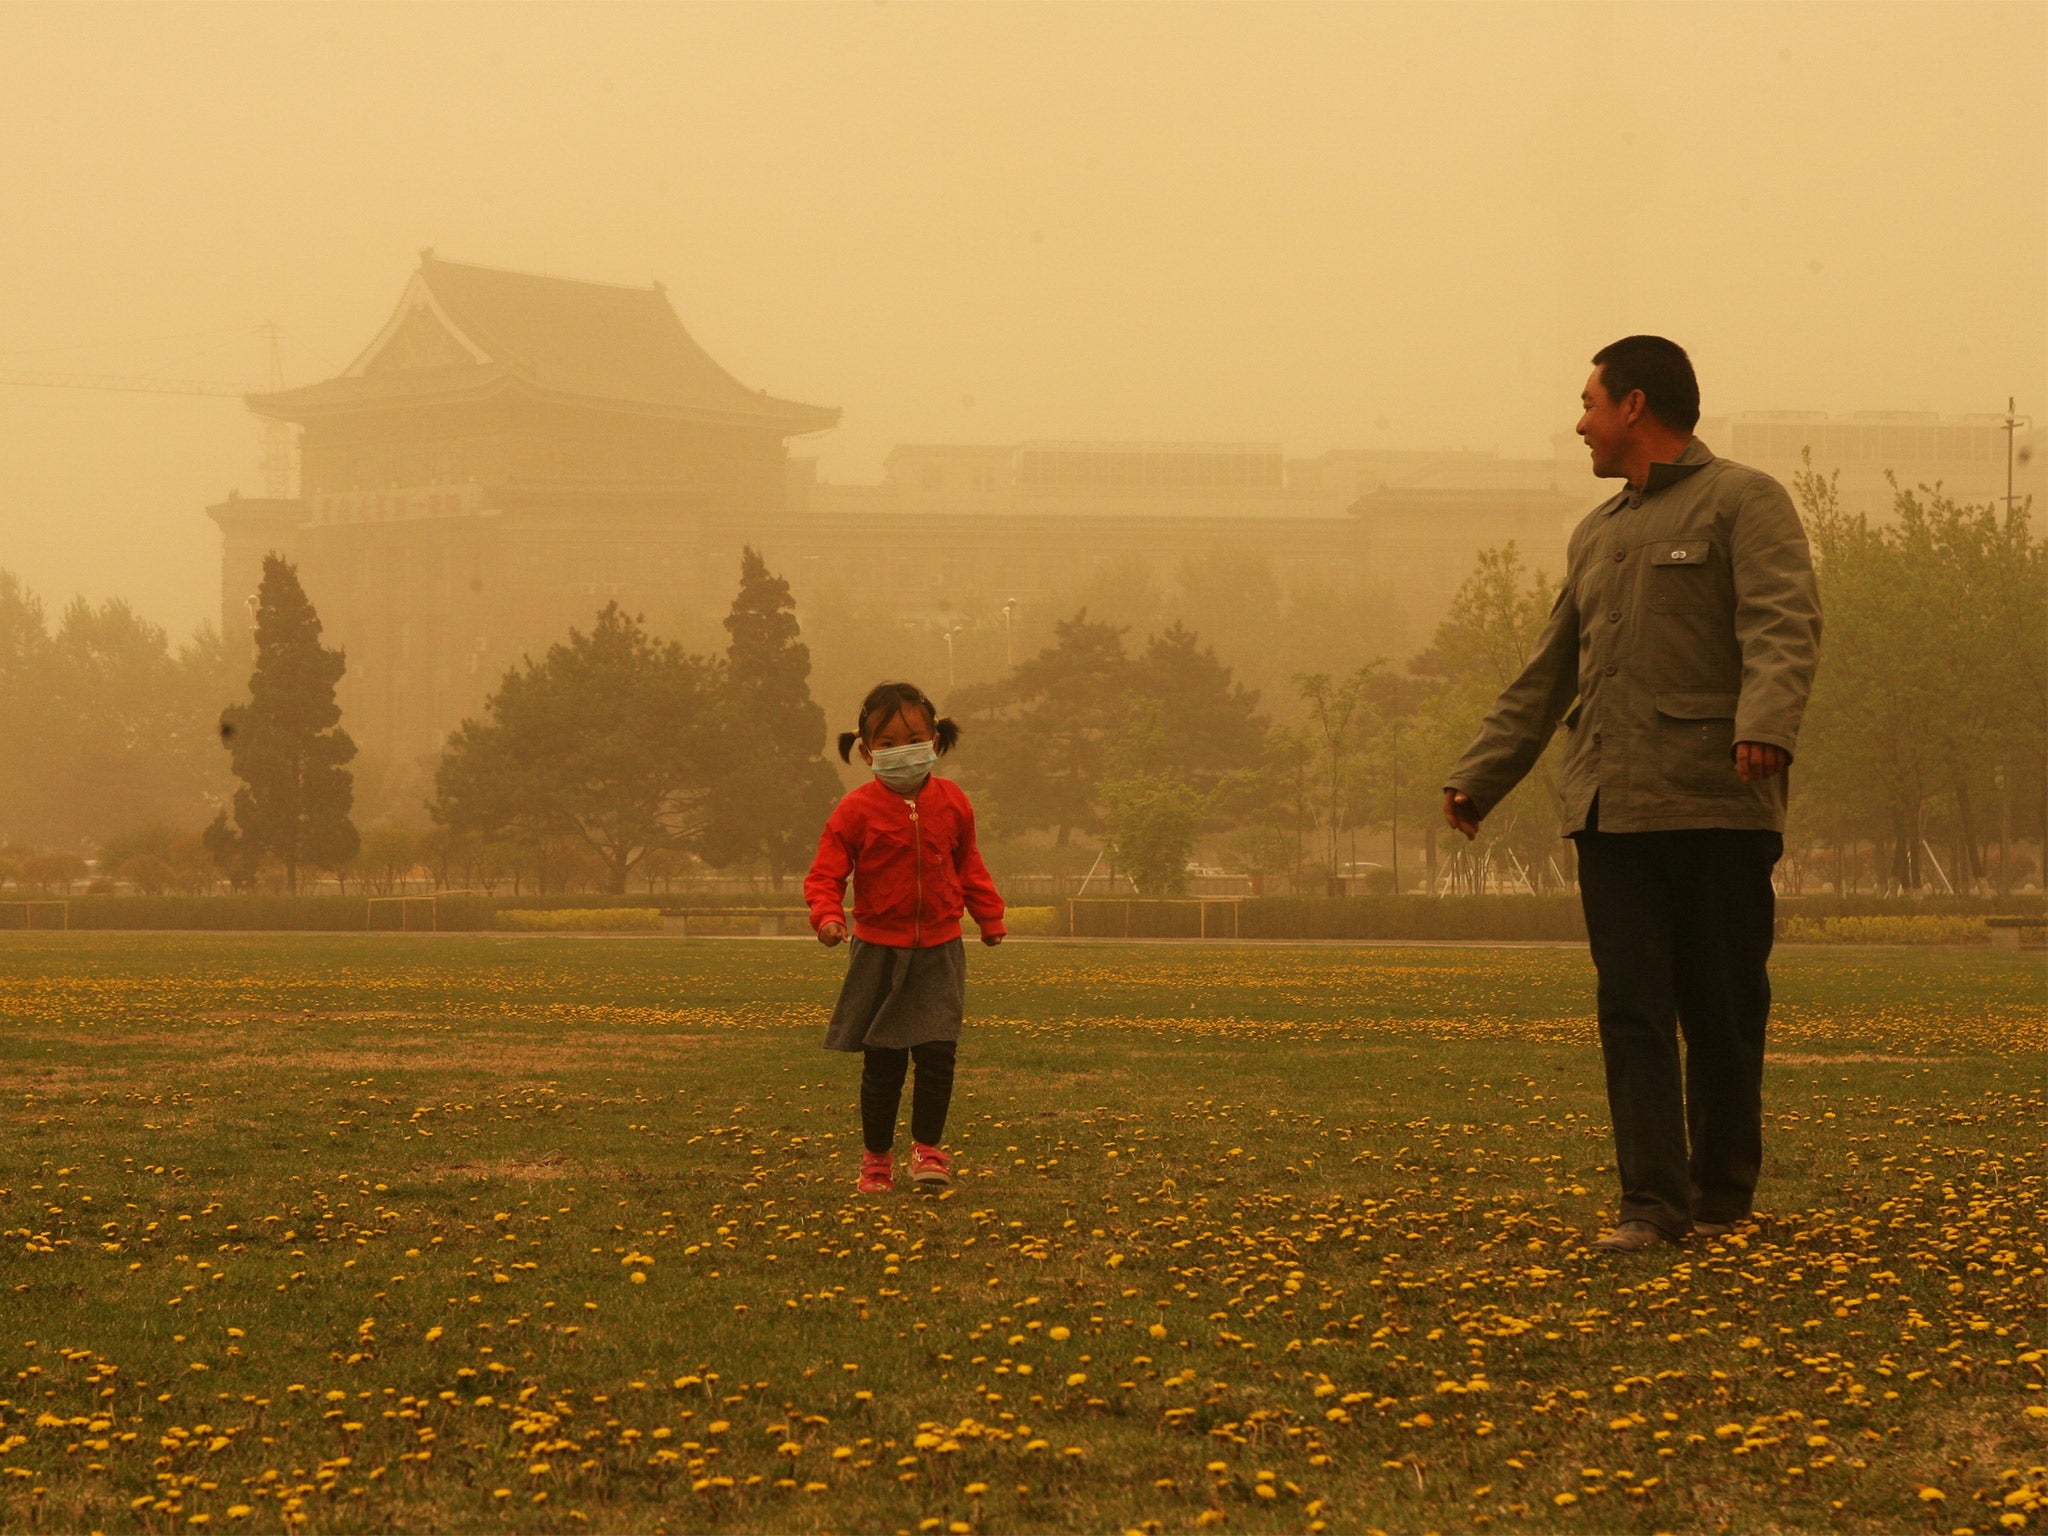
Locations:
{"points": [[2004, 832], [2012, 426], [952, 679], [1009, 635]]}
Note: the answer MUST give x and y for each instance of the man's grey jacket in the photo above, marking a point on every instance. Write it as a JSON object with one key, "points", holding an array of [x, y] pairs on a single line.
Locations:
{"points": [[1688, 621]]}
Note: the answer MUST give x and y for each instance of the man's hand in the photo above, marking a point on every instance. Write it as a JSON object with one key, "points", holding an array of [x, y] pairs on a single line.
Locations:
{"points": [[1758, 760], [831, 933], [991, 939], [1459, 813]]}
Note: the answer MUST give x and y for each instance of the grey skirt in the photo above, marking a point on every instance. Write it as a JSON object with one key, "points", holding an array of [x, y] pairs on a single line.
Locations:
{"points": [[893, 998]]}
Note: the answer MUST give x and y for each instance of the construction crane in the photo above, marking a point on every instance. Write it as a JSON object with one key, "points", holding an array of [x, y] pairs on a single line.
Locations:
{"points": [[279, 453]]}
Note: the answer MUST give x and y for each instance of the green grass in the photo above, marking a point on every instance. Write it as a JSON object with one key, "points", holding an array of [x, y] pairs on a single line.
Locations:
{"points": [[474, 1232]]}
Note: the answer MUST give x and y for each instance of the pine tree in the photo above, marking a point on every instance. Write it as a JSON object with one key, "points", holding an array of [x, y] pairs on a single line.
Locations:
{"points": [[287, 745], [777, 789], [1208, 725]]}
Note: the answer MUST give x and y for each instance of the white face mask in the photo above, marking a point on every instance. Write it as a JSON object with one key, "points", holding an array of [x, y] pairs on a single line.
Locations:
{"points": [[904, 768]]}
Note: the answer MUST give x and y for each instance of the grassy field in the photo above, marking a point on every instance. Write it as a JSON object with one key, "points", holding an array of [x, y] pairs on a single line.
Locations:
{"points": [[471, 1233]]}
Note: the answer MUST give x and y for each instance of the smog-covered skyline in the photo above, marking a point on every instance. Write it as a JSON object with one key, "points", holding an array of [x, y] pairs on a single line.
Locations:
{"points": [[1326, 227]]}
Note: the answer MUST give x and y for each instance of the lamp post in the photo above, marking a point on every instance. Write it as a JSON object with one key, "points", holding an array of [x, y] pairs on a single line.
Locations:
{"points": [[1009, 635], [2012, 426], [2004, 832], [952, 679]]}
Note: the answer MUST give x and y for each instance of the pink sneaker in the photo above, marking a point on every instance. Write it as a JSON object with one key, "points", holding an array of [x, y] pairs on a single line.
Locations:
{"points": [[930, 1165], [877, 1173]]}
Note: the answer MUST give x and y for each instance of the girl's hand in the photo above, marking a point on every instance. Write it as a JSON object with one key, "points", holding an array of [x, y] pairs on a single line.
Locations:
{"points": [[830, 934], [991, 939]]}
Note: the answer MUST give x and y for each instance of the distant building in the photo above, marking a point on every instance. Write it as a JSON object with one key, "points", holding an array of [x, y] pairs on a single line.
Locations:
{"points": [[1002, 521], [510, 452], [1965, 455], [506, 455]]}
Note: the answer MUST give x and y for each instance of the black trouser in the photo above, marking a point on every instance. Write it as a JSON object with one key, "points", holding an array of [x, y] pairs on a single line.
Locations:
{"points": [[881, 1092], [1681, 926]]}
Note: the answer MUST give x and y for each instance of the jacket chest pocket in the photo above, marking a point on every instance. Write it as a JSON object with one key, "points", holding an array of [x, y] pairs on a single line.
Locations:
{"points": [[1681, 576], [939, 840], [889, 845]]}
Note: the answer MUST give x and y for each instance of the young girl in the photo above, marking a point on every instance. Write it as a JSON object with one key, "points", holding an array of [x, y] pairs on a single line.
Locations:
{"points": [[907, 838]]}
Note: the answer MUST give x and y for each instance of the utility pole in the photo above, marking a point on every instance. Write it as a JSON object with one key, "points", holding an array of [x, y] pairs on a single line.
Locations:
{"points": [[278, 445], [2014, 425]]}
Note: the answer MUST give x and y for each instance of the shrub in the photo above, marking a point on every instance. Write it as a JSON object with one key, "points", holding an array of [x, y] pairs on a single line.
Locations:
{"points": [[584, 920], [149, 873], [1037, 922], [1917, 929]]}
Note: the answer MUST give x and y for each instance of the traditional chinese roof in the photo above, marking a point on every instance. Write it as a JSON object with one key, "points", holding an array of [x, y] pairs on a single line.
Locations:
{"points": [[461, 332]]}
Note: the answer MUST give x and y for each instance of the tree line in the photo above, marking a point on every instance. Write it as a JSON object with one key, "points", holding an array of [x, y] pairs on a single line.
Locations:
{"points": [[105, 727], [615, 753], [1922, 762], [1160, 750], [619, 755]]}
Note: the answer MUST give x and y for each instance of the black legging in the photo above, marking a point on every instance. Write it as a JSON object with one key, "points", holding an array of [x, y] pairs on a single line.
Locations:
{"points": [[881, 1093]]}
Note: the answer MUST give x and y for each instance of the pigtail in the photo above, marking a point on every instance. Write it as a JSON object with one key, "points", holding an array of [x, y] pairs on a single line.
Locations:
{"points": [[846, 741], [945, 734]]}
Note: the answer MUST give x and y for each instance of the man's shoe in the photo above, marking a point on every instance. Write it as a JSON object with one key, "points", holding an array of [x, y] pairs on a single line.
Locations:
{"points": [[1712, 1229], [1631, 1237]]}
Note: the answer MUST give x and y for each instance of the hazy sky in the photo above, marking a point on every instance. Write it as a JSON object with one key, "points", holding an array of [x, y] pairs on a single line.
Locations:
{"points": [[1326, 226]]}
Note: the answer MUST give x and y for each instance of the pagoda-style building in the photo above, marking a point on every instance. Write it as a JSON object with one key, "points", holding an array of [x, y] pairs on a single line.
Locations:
{"points": [[507, 454]]}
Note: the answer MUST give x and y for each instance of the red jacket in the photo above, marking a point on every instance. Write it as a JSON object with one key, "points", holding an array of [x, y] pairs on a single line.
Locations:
{"points": [[913, 866]]}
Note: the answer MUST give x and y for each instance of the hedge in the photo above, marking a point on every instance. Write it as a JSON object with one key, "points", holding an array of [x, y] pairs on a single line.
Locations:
{"points": [[1886, 929], [1335, 917], [1033, 922], [583, 920], [345, 914], [1505, 919], [1475, 918]]}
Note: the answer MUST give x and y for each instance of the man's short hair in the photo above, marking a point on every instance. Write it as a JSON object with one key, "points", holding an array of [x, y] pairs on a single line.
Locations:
{"points": [[1660, 369]]}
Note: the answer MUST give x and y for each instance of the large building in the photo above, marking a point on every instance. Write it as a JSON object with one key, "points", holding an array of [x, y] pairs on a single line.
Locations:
{"points": [[512, 451], [505, 455], [1024, 520]]}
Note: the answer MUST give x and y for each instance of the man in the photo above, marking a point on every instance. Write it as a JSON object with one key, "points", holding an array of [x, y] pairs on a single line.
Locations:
{"points": [[1678, 658]]}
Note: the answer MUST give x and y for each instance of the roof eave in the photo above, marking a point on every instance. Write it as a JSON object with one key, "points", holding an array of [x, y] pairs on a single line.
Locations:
{"points": [[302, 404], [789, 417]]}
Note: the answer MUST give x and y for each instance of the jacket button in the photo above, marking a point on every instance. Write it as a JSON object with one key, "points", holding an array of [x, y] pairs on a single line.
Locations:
{"points": [[1614, 615], [1596, 738], [1610, 669], [1620, 555]]}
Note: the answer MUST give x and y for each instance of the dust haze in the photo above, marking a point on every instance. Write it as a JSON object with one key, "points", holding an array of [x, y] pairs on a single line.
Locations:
{"points": [[1326, 227], [1183, 394]]}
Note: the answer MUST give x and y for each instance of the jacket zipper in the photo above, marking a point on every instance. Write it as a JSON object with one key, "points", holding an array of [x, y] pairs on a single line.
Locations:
{"points": [[917, 912]]}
